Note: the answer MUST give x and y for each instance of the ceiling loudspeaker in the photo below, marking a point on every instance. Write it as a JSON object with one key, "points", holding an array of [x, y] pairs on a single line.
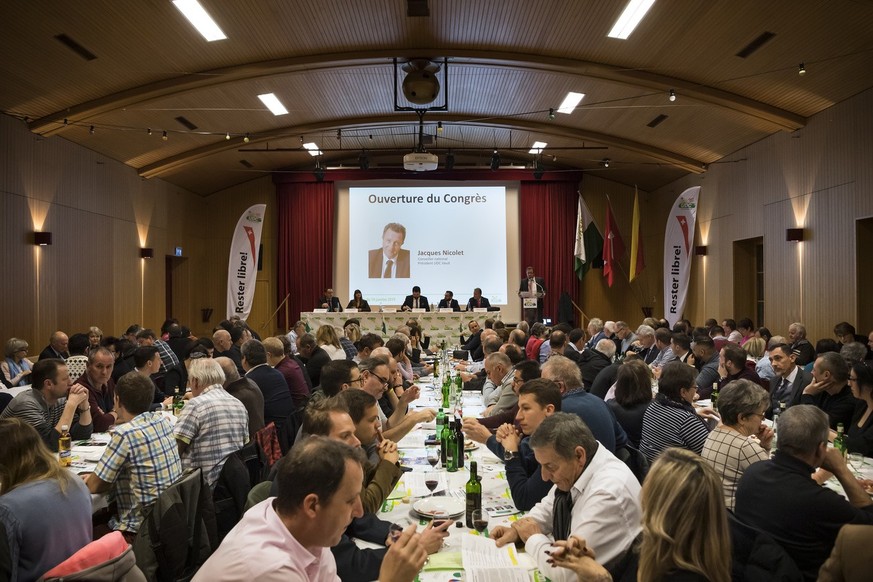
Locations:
{"points": [[421, 86]]}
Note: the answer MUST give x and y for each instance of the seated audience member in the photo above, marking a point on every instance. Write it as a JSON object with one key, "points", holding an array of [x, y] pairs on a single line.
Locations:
{"points": [[224, 347], [146, 337], [298, 330], [246, 391], [845, 333], [328, 340], [124, 350], [45, 509], [850, 558], [671, 419], [535, 342], [278, 404], [764, 369], [742, 438], [97, 380], [417, 349], [746, 329], [593, 361], [289, 368], [830, 390], [57, 348], [16, 367], [336, 376], [859, 432], [592, 410], [663, 337], [732, 366], [375, 374], [498, 368], [449, 302], [633, 394], [329, 302], [179, 341], [313, 356], [213, 424], [623, 337], [518, 337], [755, 348], [397, 347], [537, 400], [52, 403], [522, 372], [575, 344], [350, 337], [685, 533], [778, 497], [474, 341], [147, 362], [358, 302], [78, 358], [800, 346], [368, 343], [853, 352], [731, 331], [596, 333], [680, 344], [415, 301], [477, 301], [789, 381], [142, 459], [595, 497], [288, 537], [707, 357], [644, 345]]}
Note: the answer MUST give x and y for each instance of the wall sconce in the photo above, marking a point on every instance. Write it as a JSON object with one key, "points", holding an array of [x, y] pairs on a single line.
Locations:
{"points": [[701, 251], [794, 234], [42, 238], [146, 253]]}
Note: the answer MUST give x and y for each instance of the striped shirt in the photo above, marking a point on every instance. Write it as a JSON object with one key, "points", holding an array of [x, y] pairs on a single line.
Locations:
{"points": [[141, 461], [668, 425], [214, 424], [168, 356], [730, 454]]}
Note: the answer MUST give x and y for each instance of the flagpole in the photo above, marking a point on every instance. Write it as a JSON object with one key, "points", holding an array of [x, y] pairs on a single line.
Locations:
{"points": [[624, 271]]}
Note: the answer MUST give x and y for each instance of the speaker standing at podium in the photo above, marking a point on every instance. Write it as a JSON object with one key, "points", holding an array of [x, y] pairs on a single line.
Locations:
{"points": [[532, 288]]}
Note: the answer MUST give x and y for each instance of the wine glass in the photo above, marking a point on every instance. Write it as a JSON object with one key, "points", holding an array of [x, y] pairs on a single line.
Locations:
{"points": [[856, 461], [480, 520], [433, 456], [431, 480]]}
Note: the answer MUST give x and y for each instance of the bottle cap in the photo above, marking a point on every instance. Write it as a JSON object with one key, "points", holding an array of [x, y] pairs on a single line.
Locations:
{"points": [[65, 427]]}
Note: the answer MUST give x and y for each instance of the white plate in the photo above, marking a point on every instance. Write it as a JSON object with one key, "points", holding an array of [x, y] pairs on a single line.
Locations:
{"points": [[451, 506], [471, 446]]}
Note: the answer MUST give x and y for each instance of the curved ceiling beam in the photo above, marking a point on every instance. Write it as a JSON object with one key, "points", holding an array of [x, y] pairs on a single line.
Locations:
{"points": [[667, 157], [53, 123]]}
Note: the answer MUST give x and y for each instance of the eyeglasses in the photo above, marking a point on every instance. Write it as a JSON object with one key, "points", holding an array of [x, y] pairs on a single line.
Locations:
{"points": [[357, 380], [381, 379]]}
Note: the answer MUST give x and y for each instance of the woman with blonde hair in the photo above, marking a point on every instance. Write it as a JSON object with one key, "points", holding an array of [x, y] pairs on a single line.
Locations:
{"points": [[16, 367], [685, 533], [755, 348], [95, 336], [45, 510], [327, 338]]}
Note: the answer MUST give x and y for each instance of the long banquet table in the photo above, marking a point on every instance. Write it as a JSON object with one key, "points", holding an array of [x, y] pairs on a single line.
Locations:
{"points": [[437, 325]]}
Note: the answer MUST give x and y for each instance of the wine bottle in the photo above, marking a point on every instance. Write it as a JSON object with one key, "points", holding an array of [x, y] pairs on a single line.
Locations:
{"points": [[65, 447], [451, 448], [445, 436], [840, 440], [459, 439], [473, 488]]}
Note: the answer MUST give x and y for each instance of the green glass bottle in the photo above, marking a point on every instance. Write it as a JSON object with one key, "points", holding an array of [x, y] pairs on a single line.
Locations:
{"points": [[473, 488], [451, 464], [840, 440], [459, 440], [446, 437]]}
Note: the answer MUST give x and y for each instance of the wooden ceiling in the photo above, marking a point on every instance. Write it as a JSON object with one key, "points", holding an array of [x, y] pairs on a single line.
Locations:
{"points": [[509, 61]]}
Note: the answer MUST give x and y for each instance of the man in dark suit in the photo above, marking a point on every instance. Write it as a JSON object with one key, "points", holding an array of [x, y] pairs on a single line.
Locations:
{"points": [[415, 301], [790, 380], [475, 340], [329, 302], [390, 261], [477, 301], [278, 405], [575, 345], [531, 284], [57, 348], [449, 301]]}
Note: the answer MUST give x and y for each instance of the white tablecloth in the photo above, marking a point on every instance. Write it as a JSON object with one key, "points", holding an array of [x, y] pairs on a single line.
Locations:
{"points": [[438, 326]]}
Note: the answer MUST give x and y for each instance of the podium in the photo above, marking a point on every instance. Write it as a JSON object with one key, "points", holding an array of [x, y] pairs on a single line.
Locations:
{"points": [[531, 306]]}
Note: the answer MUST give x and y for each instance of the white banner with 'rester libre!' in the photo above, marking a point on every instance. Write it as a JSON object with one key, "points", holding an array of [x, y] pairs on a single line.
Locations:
{"points": [[678, 244], [242, 267]]}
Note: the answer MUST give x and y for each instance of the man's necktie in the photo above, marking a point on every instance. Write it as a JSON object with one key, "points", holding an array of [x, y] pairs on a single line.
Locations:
{"points": [[387, 273], [416, 304]]}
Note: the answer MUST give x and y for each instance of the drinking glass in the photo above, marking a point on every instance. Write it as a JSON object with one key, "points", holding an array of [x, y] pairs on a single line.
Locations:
{"points": [[433, 456], [480, 521], [856, 461]]}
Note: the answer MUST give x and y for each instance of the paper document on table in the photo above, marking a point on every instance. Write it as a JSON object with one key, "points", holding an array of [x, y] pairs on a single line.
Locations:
{"points": [[479, 552], [497, 575]]}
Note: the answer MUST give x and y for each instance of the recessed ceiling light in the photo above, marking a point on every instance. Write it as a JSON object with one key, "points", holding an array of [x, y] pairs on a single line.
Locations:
{"points": [[570, 102], [200, 19], [312, 149], [273, 104], [630, 18], [537, 147]]}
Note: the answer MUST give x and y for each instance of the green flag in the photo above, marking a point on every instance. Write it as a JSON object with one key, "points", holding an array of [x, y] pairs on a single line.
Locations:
{"points": [[589, 243]]}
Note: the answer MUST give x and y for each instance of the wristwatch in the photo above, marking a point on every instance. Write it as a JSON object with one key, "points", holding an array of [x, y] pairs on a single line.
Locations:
{"points": [[509, 455]]}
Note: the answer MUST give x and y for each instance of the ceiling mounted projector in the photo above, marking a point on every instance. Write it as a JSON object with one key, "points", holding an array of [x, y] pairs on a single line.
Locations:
{"points": [[420, 162]]}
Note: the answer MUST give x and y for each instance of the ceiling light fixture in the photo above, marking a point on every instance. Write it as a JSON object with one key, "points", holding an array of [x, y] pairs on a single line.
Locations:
{"points": [[672, 95], [91, 130], [164, 136], [551, 112], [537, 147], [495, 160], [371, 137], [273, 104], [200, 19], [605, 162], [149, 131], [439, 126], [801, 70], [312, 148], [630, 18], [227, 135], [246, 139], [570, 102]]}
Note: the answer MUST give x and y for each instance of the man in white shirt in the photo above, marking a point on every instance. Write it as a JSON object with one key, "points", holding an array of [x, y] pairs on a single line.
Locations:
{"points": [[595, 497], [288, 537]]}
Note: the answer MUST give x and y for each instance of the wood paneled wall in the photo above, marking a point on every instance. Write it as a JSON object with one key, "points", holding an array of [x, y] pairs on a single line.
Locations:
{"points": [[99, 213]]}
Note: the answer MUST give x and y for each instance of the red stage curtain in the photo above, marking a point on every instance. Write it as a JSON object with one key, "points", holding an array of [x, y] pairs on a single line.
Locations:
{"points": [[547, 233], [305, 254]]}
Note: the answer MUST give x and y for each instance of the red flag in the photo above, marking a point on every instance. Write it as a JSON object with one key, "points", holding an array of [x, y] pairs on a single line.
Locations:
{"points": [[613, 246]]}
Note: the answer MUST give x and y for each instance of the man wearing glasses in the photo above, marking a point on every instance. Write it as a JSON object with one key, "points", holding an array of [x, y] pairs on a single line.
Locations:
{"points": [[375, 376]]}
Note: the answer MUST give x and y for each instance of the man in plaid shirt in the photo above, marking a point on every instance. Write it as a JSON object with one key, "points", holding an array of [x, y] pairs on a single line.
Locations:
{"points": [[142, 459], [213, 424]]}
